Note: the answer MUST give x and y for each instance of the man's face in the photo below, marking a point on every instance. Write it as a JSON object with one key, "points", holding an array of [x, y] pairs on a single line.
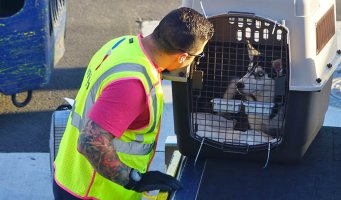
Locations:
{"points": [[187, 58]]}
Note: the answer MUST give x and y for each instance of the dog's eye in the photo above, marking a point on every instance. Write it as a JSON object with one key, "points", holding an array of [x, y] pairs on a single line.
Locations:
{"points": [[260, 74]]}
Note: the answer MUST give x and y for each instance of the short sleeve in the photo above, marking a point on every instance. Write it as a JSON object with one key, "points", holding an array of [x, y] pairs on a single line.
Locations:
{"points": [[119, 104]]}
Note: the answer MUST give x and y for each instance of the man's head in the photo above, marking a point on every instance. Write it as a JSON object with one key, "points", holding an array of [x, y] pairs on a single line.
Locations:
{"points": [[182, 33]]}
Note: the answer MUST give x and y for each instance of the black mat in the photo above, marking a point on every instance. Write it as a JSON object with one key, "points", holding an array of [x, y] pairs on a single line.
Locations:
{"points": [[316, 177]]}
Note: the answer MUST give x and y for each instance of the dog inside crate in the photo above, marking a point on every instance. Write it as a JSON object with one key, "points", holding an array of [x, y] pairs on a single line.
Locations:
{"points": [[242, 98]]}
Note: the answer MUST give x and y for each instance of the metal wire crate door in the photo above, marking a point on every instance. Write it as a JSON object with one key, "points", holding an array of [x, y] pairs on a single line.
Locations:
{"points": [[238, 91]]}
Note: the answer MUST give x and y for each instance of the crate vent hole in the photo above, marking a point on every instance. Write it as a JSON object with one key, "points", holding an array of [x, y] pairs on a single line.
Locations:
{"points": [[248, 32], [256, 36], [265, 34]]}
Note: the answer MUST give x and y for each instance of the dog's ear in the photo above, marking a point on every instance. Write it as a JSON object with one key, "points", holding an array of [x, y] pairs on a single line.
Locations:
{"points": [[277, 66], [252, 51]]}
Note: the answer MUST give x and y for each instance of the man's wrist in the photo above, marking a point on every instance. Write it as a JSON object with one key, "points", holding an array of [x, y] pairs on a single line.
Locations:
{"points": [[134, 177]]}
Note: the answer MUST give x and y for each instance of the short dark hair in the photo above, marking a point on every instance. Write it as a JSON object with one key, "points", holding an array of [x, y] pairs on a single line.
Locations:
{"points": [[182, 28]]}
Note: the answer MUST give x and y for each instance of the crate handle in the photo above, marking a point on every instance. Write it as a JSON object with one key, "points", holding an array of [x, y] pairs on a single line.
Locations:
{"points": [[230, 148], [241, 13]]}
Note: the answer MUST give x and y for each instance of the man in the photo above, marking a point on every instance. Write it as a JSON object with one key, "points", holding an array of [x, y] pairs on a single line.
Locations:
{"points": [[111, 135]]}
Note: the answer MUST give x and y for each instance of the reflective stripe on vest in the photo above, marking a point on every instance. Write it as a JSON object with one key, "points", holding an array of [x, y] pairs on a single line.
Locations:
{"points": [[134, 147]]}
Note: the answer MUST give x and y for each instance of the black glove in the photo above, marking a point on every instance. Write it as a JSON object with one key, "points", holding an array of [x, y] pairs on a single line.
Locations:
{"points": [[152, 180]]}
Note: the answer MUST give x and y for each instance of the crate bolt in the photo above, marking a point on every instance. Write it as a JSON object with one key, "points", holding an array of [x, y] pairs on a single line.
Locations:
{"points": [[338, 51], [318, 80], [329, 65]]}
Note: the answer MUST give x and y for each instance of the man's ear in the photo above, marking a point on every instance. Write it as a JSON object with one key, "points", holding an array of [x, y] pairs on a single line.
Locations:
{"points": [[182, 57]]}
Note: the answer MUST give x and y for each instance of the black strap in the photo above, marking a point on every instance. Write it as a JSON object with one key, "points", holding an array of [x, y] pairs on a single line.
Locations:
{"points": [[64, 107]]}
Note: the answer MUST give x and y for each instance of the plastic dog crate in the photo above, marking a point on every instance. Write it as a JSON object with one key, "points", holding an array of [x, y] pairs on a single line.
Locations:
{"points": [[58, 124], [262, 90], [31, 43]]}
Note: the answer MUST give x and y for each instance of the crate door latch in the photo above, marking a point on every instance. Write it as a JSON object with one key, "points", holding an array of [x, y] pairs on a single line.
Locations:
{"points": [[197, 79]]}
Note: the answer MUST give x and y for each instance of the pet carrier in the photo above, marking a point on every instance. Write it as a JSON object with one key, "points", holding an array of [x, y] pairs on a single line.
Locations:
{"points": [[58, 125], [262, 89], [31, 42]]}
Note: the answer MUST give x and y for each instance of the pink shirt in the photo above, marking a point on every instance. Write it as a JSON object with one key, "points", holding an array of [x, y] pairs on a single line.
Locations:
{"points": [[122, 105]]}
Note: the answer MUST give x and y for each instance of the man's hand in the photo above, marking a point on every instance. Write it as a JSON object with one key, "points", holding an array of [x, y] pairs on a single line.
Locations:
{"points": [[154, 180]]}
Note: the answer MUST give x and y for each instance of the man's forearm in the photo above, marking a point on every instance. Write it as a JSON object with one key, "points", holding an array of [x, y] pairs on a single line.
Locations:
{"points": [[95, 144]]}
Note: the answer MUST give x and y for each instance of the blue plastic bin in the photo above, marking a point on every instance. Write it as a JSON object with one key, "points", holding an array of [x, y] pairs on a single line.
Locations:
{"points": [[31, 42]]}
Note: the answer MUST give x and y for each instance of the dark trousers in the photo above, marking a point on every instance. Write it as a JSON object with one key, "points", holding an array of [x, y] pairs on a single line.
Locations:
{"points": [[60, 194]]}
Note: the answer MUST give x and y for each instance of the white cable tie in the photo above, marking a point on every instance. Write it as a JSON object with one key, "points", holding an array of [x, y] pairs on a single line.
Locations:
{"points": [[273, 30], [203, 10], [196, 158], [268, 158], [69, 101]]}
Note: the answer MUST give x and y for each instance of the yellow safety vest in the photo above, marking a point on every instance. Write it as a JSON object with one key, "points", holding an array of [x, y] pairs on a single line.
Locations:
{"points": [[118, 59]]}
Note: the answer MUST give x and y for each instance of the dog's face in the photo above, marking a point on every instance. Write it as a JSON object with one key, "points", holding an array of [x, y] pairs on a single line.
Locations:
{"points": [[255, 80], [259, 81], [258, 84]]}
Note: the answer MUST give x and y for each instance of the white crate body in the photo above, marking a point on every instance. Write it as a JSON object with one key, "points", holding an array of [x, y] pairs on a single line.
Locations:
{"points": [[308, 69]]}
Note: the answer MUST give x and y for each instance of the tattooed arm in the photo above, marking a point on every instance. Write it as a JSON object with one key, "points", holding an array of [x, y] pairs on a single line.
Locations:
{"points": [[95, 144]]}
